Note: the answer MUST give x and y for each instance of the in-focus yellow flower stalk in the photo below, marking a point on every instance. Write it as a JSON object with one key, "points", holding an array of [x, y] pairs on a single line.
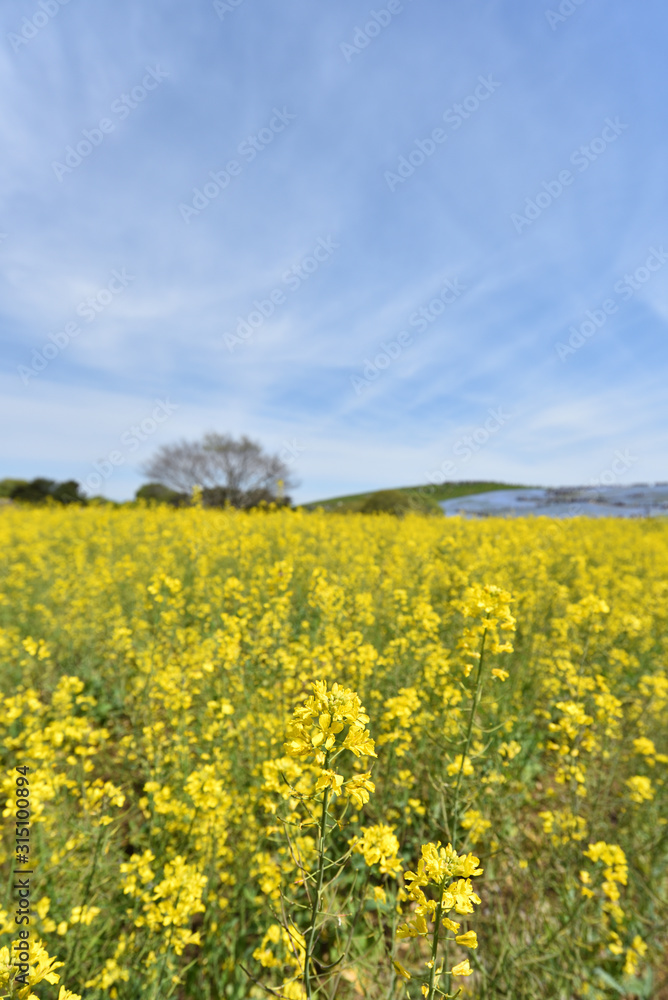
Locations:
{"points": [[446, 876], [489, 605], [329, 722], [17, 981], [317, 725]]}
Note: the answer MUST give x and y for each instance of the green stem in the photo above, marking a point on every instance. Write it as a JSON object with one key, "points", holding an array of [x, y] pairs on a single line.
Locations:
{"points": [[72, 950], [434, 944], [315, 909], [351, 931]]}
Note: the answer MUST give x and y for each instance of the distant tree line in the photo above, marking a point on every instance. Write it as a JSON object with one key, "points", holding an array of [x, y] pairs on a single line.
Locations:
{"points": [[40, 490], [227, 471]]}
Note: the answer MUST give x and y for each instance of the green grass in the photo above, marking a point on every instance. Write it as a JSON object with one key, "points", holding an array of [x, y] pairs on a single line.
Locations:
{"points": [[428, 492]]}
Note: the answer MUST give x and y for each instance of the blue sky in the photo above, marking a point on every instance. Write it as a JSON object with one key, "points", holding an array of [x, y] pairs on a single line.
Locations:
{"points": [[453, 217]]}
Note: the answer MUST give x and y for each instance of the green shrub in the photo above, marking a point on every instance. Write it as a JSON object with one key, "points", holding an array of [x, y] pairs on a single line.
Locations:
{"points": [[398, 503]]}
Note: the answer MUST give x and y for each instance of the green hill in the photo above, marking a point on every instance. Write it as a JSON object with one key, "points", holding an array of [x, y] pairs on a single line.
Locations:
{"points": [[427, 496]]}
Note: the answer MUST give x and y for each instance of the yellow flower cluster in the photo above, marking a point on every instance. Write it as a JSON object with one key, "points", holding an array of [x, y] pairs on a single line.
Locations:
{"points": [[448, 877], [379, 846], [616, 868], [41, 968], [318, 724], [171, 902], [489, 605], [329, 722], [450, 874]]}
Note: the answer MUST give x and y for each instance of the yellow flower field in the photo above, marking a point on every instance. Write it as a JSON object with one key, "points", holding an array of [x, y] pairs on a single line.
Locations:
{"points": [[334, 756]]}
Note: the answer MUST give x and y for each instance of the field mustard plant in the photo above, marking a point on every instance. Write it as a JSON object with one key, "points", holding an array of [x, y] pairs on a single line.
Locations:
{"points": [[41, 969], [330, 722], [447, 876]]}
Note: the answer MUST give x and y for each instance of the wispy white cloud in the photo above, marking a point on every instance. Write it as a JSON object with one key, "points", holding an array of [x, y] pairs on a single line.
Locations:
{"points": [[321, 176]]}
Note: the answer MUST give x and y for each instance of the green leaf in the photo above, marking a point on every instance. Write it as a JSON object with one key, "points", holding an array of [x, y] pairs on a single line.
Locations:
{"points": [[607, 978]]}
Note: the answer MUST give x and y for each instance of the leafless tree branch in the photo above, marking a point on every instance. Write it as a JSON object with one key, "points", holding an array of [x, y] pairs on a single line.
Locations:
{"points": [[237, 470]]}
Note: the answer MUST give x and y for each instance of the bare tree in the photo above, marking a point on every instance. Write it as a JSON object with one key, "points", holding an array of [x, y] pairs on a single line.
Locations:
{"points": [[226, 468]]}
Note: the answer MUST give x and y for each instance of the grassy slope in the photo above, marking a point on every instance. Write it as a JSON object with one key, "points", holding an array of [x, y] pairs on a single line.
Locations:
{"points": [[446, 491]]}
